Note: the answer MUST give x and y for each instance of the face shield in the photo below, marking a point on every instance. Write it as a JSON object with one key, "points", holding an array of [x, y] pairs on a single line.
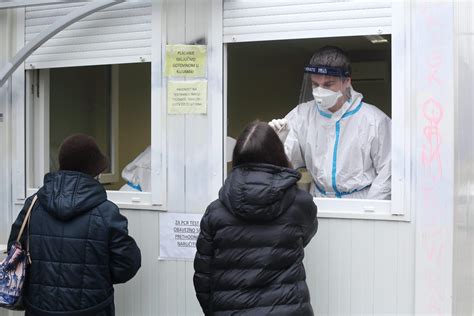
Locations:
{"points": [[324, 93]]}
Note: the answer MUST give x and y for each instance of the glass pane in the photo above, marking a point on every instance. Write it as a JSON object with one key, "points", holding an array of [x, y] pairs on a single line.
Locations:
{"points": [[134, 126], [80, 102]]}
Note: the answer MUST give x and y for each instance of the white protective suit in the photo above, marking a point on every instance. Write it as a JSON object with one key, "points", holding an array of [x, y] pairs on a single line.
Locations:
{"points": [[138, 173], [347, 153]]}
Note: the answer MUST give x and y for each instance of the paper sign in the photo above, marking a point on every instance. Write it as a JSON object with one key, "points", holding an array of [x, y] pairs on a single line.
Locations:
{"points": [[178, 235], [187, 97], [186, 60]]}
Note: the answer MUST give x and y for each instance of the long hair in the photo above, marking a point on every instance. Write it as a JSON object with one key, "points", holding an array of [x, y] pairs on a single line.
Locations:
{"points": [[258, 143]]}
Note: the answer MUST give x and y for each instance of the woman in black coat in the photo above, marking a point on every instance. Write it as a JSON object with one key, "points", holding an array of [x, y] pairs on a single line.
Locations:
{"points": [[79, 242], [249, 258]]}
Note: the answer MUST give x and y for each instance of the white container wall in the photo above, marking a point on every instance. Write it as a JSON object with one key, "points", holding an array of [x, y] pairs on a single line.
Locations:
{"points": [[433, 97], [463, 278], [357, 267], [194, 159], [10, 110], [7, 28], [354, 266]]}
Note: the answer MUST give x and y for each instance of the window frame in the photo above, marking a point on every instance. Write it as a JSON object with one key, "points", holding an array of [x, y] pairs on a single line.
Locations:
{"points": [[41, 104], [398, 208], [37, 144]]}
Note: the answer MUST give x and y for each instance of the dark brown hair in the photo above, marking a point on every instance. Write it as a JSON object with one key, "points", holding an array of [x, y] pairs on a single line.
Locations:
{"points": [[332, 56], [258, 143]]}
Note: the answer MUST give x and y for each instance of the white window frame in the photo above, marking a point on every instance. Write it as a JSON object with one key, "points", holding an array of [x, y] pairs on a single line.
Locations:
{"points": [[37, 145], [398, 208], [28, 141], [41, 105]]}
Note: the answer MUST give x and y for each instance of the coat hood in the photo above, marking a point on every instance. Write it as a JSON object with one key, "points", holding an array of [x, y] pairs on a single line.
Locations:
{"points": [[67, 194], [259, 192]]}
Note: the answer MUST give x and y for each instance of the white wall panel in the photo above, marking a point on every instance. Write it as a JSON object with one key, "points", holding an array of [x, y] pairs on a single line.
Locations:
{"points": [[317, 266], [118, 34], [274, 19], [340, 246], [363, 267]]}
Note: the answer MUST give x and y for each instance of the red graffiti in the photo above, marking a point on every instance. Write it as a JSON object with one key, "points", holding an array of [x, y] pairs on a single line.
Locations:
{"points": [[433, 64], [433, 238], [431, 155], [434, 246]]}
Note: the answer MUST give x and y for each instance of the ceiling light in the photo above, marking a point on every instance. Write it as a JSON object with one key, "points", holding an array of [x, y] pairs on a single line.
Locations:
{"points": [[376, 39]]}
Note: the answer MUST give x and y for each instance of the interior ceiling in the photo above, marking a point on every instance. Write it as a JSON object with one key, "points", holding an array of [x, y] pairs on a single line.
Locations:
{"points": [[358, 47]]}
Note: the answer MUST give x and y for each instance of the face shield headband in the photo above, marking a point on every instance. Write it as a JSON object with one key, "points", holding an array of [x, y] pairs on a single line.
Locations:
{"points": [[327, 71]]}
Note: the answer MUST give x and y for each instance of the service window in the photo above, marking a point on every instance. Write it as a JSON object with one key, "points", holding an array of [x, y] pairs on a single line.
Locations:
{"points": [[111, 103], [264, 81]]}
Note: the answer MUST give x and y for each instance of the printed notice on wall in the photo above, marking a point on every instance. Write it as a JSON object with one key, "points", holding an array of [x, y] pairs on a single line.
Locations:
{"points": [[187, 97], [186, 60], [178, 235]]}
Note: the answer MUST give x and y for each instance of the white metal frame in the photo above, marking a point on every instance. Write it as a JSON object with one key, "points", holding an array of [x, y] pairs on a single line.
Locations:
{"points": [[18, 117], [37, 113], [398, 208], [113, 176], [41, 126], [159, 176]]}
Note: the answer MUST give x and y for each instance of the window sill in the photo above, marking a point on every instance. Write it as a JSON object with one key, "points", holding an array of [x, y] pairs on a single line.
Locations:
{"points": [[123, 199], [357, 209]]}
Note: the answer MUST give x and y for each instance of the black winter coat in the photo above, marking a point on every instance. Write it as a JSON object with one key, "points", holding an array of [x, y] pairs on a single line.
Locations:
{"points": [[250, 249], [79, 247]]}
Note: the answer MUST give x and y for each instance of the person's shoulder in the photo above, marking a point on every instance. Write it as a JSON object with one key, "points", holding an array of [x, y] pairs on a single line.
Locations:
{"points": [[374, 112], [214, 209], [214, 206], [301, 112], [304, 203], [306, 106], [109, 205], [29, 200], [108, 210], [304, 198], [215, 216]]}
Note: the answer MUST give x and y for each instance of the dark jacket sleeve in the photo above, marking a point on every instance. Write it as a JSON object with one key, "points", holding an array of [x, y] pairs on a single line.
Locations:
{"points": [[125, 256], [17, 224], [310, 227], [202, 262]]}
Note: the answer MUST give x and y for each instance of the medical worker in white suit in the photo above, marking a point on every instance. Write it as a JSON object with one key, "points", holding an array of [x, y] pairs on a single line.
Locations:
{"points": [[343, 142]]}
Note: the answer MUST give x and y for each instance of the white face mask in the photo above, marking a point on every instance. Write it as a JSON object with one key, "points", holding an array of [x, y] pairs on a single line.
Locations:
{"points": [[326, 98]]}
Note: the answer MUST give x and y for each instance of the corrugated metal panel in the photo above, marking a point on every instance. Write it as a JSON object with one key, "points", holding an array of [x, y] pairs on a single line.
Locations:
{"points": [[258, 20], [119, 34]]}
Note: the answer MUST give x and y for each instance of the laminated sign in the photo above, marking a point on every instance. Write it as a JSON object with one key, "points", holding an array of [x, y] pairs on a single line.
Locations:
{"points": [[187, 97], [178, 235], [186, 61]]}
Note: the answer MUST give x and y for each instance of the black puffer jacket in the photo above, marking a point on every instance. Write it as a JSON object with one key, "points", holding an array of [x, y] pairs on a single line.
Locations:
{"points": [[250, 249], [79, 247]]}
